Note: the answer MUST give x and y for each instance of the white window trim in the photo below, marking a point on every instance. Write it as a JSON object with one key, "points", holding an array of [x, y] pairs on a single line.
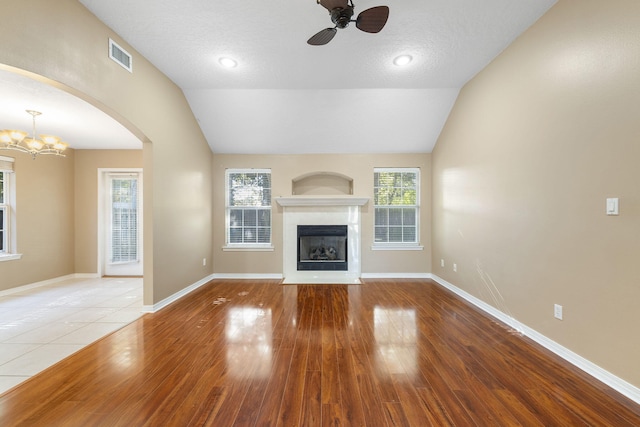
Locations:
{"points": [[248, 247], [9, 257], [6, 238], [397, 246], [400, 246], [244, 247], [11, 241]]}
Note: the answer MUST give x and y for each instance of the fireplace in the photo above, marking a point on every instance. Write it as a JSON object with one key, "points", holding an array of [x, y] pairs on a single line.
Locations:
{"points": [[341, 211], [322, 248]]}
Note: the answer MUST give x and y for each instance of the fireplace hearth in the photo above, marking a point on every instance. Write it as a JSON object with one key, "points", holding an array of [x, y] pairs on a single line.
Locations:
{"points": [[322, 248]]}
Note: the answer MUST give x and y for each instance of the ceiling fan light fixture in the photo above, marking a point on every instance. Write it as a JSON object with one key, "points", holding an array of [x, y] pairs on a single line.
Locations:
{"points": [[342, 16], [402, 60], [371, 20], [228, 62]]}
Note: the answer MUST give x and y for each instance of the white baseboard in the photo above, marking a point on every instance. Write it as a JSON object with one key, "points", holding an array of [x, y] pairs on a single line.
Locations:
{"points": [[396, 275], [86, 276], [616, 383], [173, 298]]}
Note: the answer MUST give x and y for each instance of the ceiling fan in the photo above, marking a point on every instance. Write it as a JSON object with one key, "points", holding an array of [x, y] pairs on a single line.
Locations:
{"points": [[371, 20]]}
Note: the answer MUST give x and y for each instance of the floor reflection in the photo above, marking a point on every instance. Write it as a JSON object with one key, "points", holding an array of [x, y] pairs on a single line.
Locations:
{"points": [[395, 333], [249, 339], [126, 352]]}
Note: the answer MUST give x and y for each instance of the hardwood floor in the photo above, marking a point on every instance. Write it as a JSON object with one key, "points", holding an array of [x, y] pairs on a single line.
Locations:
{"points": [[246, 353]]}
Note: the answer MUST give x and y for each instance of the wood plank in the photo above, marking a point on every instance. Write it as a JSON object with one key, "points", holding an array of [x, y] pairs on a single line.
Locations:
{"points": [[292, 399], [311, 414], [395, 414], [330, 379], [332, 415]]}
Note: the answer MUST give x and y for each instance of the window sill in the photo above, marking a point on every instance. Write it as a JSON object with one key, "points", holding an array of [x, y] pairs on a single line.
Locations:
{"points": [[397, 247], [248, 248], [9, 257]]}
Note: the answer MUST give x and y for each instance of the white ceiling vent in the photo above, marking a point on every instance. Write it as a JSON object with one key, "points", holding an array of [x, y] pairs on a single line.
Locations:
{"points": [[120, 55]]}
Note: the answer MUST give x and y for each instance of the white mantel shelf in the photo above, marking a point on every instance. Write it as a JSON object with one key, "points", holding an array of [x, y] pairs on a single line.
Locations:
{"points": [[322, 201]]}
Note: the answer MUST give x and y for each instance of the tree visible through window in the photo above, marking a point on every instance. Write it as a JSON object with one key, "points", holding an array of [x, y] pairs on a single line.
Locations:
{"points": [[396, 205], [248, 206]]}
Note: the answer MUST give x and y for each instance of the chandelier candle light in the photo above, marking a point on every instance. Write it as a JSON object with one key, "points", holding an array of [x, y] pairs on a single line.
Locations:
{"points": [[17, 140]]}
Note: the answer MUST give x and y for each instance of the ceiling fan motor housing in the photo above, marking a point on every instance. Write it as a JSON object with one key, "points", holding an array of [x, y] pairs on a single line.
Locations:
{"points": [[342, 16]]}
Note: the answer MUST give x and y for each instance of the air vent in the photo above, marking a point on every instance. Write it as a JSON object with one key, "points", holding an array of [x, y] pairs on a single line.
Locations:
{"points": [[120, 55]]}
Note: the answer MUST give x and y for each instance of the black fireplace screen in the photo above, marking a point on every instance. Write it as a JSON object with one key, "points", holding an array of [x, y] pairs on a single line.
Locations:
{"points": [[322, 247]]}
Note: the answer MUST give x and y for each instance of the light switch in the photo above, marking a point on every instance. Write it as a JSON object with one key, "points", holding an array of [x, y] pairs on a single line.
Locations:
{"points": [[612, 206]]}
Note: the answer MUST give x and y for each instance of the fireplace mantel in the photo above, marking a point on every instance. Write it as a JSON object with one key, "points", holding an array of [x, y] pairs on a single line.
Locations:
{"points": [[322, 201]]}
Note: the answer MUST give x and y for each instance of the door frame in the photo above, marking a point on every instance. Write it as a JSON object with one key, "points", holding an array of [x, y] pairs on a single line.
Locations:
{"points": [[102, 176]]}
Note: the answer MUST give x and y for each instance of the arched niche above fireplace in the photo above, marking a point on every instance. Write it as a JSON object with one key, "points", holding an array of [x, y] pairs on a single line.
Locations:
{"points": [[322, 183]]}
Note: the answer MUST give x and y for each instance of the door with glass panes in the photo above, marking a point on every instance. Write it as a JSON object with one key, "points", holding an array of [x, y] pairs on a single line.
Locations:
{"points": [[123, 228]]}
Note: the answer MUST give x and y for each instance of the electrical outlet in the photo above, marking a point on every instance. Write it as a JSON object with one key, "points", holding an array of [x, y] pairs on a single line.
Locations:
{"points": [[455, 267], [441, 263], [557, 311], [204, 261]]}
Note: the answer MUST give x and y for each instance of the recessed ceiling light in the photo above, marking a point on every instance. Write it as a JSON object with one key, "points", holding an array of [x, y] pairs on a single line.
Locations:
{"points": [[228, 62], [402, 60]]}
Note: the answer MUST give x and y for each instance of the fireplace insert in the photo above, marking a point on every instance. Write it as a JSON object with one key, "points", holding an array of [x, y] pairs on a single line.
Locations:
{"points": [[322, 247]]}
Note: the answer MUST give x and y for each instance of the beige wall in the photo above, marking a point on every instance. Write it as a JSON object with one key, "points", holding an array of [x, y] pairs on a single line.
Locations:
{"points": [[533, 147], [86, 200], [284, 168], [44, 219], [66, 46]]}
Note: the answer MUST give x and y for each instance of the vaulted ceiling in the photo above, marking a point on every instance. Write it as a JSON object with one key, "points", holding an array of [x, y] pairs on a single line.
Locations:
{"points": [[285, 96]]}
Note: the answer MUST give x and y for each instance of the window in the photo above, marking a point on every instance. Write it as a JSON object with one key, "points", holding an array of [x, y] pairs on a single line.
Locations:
{"points": [[248, 204], [124, 218], [7, 209], [4, 216], [396, 195]]}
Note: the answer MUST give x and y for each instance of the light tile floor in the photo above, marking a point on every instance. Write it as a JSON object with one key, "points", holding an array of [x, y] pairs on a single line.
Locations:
{"points": [[41, 326]]}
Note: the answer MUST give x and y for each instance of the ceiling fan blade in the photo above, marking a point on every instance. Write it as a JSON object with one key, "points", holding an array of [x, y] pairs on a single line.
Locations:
{"points": [[332, 4], [373, 20], [322, 37]]}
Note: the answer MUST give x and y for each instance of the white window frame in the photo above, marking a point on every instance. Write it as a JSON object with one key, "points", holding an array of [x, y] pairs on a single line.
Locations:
{"points": [[8, 206], [399, 245], [245, 246], [111, 177], [6, 213]]}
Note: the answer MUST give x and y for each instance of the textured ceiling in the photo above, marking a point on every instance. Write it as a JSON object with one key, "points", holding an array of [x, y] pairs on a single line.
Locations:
{"points": [[451, 40], [288, 97]]}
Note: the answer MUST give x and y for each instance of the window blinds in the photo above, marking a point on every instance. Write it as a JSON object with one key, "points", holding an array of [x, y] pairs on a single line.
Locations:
{"points": [[124, 220], [6, 164]]}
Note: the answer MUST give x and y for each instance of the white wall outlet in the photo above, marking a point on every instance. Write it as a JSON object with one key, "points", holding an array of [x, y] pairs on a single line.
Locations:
{"points": [[557, 311], [441, 263], [455, 267], [204, 261]]}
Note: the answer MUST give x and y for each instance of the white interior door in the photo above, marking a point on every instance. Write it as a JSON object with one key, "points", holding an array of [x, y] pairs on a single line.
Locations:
{"points": [[123, 228]]}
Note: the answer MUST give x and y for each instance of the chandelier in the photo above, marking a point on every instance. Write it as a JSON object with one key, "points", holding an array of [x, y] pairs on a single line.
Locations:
{"points": [[17, 140]]}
